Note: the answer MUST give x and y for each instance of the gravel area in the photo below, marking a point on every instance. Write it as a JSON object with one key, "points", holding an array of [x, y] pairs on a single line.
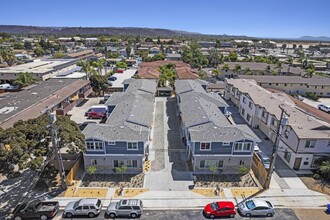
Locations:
{"points": [[225, 180], [113, 180]]}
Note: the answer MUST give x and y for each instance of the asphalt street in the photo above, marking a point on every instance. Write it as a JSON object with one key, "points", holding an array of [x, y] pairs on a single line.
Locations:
{"points": [[281, 214]]}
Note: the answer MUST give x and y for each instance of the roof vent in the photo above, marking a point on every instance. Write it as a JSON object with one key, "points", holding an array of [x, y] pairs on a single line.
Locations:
{"points": [[34, 93], [121, 127]]}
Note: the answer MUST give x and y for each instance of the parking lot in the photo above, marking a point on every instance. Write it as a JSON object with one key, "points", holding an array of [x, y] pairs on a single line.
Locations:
{"points": [[78, 113]]}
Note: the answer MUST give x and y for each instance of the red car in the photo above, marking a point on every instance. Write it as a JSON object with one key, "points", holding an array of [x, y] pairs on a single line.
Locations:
{"points": [[96, 114], [220, 209]]}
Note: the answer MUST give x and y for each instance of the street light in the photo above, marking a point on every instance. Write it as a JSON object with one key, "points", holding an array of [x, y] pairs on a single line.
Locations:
{"points": [[283, 122]]}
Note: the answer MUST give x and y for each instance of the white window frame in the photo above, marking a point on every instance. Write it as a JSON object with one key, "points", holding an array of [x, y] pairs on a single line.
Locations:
{"points": [[243, 145], [137, 146], [120, 163], [131, 165], [210, 163], [200, 146], [93, 145], [94, 162], [310, 144], [111, 143]]}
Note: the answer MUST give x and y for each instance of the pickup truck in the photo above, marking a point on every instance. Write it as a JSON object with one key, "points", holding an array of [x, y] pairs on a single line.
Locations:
{"points": [[36, 209]]}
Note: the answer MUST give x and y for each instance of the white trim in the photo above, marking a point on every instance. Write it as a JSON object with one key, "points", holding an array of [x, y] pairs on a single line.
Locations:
{"points": [[222, 155], [251, 144]]}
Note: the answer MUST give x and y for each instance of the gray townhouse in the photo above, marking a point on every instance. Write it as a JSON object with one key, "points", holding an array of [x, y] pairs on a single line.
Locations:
{"points": [[210, 138], [302, 141], [125, 137]]}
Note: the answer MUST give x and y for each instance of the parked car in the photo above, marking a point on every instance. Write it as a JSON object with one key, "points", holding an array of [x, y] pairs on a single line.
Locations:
{"points": [[83, 207], [105, 98], [220, 209], [256, 207], [112, 78], [325, 108], [36, 209], [125, 207], [299, 97], [265, 160], [96, 111], [83, 125]]}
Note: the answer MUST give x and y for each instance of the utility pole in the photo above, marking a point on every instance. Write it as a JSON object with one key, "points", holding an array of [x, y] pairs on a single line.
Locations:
{"points": [[57, 149], [282, 122]]}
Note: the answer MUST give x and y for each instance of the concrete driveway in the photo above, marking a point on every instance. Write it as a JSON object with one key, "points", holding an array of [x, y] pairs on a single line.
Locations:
{"points": [[78, 112]]}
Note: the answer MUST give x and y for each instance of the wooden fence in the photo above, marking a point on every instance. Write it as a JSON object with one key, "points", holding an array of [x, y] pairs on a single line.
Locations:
{"points": [[258, 169], [73, 171]]}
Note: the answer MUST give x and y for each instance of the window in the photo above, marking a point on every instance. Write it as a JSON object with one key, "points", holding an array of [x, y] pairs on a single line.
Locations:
{"points": [[284, 84], [264, 114], [90, 145], [244, 100], [111, 143], [205, 146], [274, 122], [243, 111], [248, 117], [125, 208], [287, 156], [98, 145], [94, 162], [206, 164], [132, 163], [118, 163], [250, 105], [132, 146], [329, 144], [79, 208], [85, 207], [241, 162], [306, 163], [269, 84], [225, 143], [242, 146], [310, 144]]}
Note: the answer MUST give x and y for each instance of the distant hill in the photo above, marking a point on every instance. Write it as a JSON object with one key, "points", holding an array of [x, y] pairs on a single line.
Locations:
{"points": [[71, 31], [311, 38]]}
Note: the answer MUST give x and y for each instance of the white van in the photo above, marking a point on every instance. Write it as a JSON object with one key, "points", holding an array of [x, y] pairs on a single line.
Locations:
{"points": [[325, 108]]}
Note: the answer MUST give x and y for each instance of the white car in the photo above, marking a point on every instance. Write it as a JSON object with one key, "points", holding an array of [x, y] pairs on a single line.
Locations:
{"points": [[325, 108], [256, 207], [83, 207]]}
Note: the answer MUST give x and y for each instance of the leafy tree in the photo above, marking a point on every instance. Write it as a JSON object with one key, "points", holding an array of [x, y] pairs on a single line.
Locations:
{"points": [[215, 58], [121, 65], [237, 68], [43, 44], [248, 71], [158, 56], [167, 73], [18, 45], [39, 51], [194, 56], [284, 46], [24, 79], [225, 67], [216, 73], [148, 39], [99, 65], [214, 170], [27, 45], [122, 169], [128, 51], [58, 55], [232, 56], [8, 56], [113, 54], [99, 83], [91, 170], [217, 43]]}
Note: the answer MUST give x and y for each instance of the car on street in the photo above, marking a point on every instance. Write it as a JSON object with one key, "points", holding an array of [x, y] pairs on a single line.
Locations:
{"points": [[265, 160], [36, 209], [125, 208], [83, 207], [220, 209], [105, 98], [256, 207], [325, 108]]}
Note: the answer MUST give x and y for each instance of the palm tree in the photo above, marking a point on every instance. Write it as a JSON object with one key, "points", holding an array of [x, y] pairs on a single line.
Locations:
{"points": [[87, 68], [225, 67], [238, 68], [24, 79]]}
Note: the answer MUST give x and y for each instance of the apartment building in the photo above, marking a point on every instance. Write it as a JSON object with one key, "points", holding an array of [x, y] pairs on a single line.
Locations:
{"points": [[125, 137], [209, 136], [302, 141]]}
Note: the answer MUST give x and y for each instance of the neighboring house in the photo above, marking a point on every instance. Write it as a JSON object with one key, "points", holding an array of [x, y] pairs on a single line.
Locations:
{"points": [[209, 136], [58, 95], [318, 85], [173, 56], [154, 50], [303, 140], [80, 55], [125, 137], [40, 69]]}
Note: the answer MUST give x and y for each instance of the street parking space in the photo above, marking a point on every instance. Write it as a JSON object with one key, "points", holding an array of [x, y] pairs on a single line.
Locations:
{"points": [[78, 112]]}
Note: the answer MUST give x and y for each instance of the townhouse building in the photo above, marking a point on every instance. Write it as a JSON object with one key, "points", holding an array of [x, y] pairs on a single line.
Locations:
{"points": [[210, 138], [301, 142], [317, 85], [125, 137]]}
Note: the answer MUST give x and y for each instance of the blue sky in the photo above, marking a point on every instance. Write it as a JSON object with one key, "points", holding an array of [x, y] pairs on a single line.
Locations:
{"points": [[260, 18]]}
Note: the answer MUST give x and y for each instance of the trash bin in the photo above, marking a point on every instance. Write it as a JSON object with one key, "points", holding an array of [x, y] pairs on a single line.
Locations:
{"points": [[328, 208]]}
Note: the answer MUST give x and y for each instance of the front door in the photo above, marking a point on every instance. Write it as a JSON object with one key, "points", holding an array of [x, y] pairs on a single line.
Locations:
{"points": [[297, 163]]}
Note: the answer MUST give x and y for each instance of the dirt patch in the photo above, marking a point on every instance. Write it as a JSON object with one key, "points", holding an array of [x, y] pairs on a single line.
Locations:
{"points": [[225, 180], [245, 191], [316, 185], [208, 192], [113, 180], [128, 193]]}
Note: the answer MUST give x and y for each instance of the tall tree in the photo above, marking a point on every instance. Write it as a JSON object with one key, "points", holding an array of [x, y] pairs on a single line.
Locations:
{"points": [[194, 56], [28, 45], [24, 79], [8, 56], [99, 83]]}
